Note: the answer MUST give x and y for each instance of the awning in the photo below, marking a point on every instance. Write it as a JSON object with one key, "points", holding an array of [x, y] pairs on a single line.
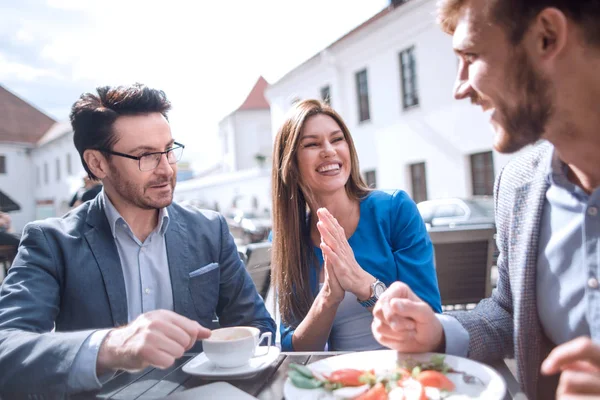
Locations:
{"points": [[7, 204]]}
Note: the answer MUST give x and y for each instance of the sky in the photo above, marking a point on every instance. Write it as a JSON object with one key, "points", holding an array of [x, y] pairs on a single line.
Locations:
{"points": [[206, 55]]}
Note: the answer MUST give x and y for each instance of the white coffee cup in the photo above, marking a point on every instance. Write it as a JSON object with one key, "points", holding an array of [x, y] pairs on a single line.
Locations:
{"points": [[235, 346]]}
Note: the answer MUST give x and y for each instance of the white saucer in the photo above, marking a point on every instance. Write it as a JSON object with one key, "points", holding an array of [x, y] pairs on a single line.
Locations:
{"points": [[202, 366]]}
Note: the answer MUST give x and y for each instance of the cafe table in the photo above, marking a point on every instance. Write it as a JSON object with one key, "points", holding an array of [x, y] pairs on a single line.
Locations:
{"points": [[153, 383]]}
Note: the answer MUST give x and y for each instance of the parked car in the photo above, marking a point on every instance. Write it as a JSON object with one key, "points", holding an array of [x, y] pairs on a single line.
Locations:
{"points": [[452, 212], [249, 226]]}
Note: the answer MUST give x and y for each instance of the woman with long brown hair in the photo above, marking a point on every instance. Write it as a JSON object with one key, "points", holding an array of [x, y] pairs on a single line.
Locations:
{"points": [[337, 244]]}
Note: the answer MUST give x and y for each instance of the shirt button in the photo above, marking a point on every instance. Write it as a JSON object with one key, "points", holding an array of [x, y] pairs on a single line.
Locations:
{"points": [[593, 211], [147, 291], [593, 283]]}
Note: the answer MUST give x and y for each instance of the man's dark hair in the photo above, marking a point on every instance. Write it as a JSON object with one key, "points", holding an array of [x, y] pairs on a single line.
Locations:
{"points": [[93, 115], [516, 15]]}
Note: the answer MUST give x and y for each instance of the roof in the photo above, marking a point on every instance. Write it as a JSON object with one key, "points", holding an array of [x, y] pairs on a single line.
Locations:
{"points": [[388, 9], [256, 98], [20, 122], [7, 204], [59, 129]]}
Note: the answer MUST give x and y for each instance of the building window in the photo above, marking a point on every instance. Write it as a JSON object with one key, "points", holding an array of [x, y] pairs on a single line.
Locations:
{"points": [[408, 77], [326, 94], [482, 173], [45, 173], [69, 168], [362, 93], [371, 178], [58, 169], [418, 179], [2, 164], [37, 176]]}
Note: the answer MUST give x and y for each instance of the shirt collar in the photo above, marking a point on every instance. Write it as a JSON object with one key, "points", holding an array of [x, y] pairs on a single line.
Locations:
{"points": [[557, 171], [114, 217], [557, 175]]}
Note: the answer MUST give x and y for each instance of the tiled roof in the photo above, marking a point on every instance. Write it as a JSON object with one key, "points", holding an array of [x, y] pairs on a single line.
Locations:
{"points": [[20, 122], [256, 99]]}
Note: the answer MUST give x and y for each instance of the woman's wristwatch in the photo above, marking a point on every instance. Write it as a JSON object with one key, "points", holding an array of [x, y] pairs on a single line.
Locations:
{"points": [[377, 289]]}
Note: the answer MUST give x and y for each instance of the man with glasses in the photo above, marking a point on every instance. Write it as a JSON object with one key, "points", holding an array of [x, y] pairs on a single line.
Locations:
{"points": [[127, 280]]}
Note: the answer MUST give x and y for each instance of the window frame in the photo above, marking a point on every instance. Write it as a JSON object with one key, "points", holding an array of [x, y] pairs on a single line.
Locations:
{"points": [[482, 173], [362, 95], [410, 98], [326, 94], [419, 190]]}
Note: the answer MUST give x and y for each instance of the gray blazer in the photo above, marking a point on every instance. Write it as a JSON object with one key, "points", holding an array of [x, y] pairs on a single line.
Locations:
{"points": [[507, 324], [67, 275]]}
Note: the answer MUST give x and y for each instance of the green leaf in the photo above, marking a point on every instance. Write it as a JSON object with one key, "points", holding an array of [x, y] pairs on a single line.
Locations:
{"points": [[302, 382], [304, 370], [416, 371]]}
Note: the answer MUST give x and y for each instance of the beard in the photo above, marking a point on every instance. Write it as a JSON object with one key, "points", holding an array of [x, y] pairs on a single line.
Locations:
{"points": [[525, 121], [137, 194]]}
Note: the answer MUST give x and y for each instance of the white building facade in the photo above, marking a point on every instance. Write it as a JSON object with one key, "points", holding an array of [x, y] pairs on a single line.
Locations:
{"points": [[43, 177], [244, 179], [246, 139], [391, 79], [249, 189], [57, 171], [18, 181]]}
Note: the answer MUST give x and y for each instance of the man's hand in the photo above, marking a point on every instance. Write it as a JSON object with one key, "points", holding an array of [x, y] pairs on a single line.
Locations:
{"points": [[579, 364], [406, 323], [156, 338]]}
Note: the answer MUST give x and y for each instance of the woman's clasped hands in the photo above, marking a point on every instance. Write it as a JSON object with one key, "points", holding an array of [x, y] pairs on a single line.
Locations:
{"points": [[342, 271]]}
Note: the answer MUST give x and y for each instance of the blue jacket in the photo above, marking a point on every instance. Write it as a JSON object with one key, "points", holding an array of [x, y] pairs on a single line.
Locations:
{"points": [[67, 275], [392, 244]]}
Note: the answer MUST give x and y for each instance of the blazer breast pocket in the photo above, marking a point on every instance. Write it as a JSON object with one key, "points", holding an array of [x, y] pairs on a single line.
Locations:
{"points": [[203, 270], [204, 289]]}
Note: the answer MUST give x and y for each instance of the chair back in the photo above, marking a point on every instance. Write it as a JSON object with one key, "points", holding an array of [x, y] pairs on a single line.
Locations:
{"points": [[463, 262], [259, 266], [7, 255]]}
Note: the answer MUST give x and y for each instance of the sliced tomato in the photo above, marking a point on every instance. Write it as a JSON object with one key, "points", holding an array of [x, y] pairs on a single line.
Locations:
{"points": [[347, 377], [377, 392], [435, 379]]}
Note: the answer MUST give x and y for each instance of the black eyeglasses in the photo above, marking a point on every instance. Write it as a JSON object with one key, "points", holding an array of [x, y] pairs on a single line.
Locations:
{"points": [[149, 161]]}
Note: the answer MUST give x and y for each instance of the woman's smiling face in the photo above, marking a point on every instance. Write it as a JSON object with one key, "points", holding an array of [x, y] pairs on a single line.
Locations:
{"points": [[323, 155]]}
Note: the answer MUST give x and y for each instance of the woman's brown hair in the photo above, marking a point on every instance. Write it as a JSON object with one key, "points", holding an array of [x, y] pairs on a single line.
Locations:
{"points": [[292, 252]]}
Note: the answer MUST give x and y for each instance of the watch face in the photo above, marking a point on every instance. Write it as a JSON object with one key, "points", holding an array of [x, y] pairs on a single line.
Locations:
{"points": [[379, 289]]}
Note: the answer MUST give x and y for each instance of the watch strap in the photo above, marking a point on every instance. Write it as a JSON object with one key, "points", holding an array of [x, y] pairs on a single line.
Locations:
{"points": [[370, 302]]}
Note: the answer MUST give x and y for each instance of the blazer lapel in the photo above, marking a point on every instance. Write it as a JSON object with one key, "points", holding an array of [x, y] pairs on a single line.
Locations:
{"points": [[523, 251], [103, 247], [179, 262]]}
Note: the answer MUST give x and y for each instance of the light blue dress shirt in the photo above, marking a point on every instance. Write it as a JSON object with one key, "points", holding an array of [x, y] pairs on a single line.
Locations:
{"points": [[568, 259], [568, 265], [147, 284]]}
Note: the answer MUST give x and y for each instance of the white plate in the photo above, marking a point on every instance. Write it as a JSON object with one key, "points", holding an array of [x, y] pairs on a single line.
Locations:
{"points": [[202, 366], [494, 387]]}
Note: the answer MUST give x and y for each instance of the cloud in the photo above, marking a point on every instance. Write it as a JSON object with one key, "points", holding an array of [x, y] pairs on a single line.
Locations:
{"points": [[69, 4], [205, 55], [14, 70]]}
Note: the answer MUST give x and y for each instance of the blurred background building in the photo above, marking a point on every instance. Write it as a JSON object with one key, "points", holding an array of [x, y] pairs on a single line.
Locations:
{"points": [[391, 78]]}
